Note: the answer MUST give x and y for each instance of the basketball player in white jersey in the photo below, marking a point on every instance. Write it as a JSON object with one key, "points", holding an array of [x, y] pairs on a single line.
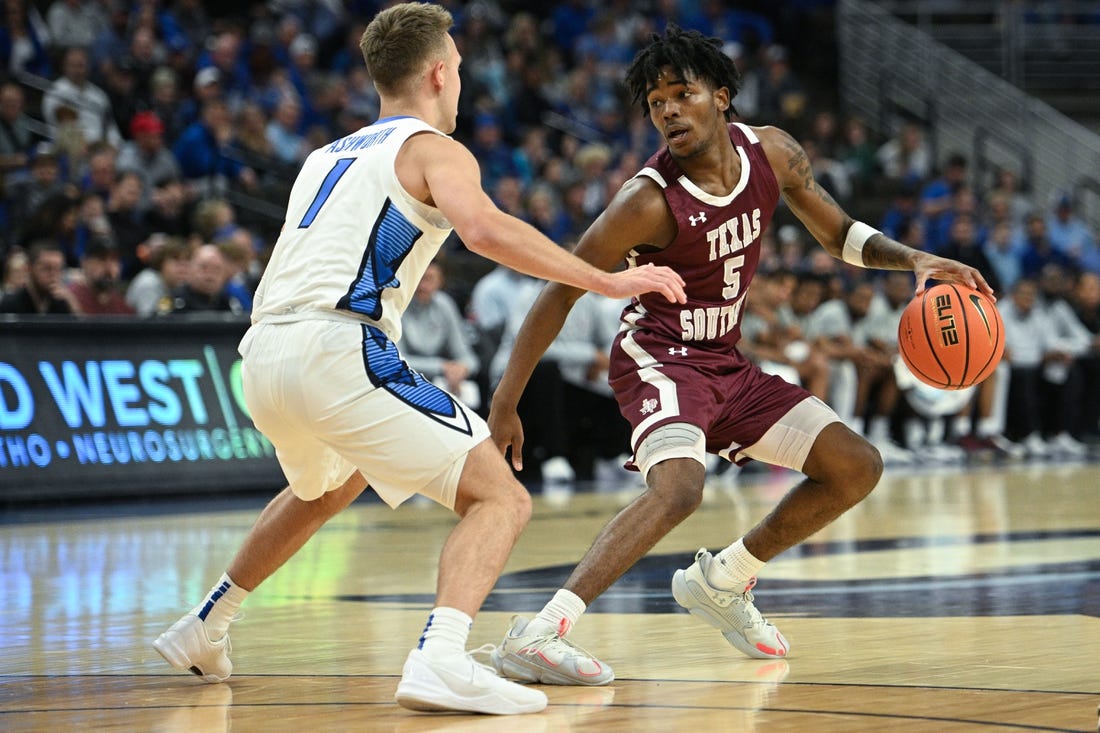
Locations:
{"points": [[324, 381]]}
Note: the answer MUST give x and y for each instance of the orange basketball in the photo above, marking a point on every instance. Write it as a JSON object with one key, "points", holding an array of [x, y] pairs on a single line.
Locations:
{"points": [[951, 336]]}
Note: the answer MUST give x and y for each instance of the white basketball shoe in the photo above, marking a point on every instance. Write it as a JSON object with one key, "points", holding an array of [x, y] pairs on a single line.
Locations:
{"points": [[187, 646], [461, 684], [731, 612], [534, 652]]}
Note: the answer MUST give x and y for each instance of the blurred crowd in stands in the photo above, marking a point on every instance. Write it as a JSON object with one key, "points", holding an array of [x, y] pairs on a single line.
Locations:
{"points": [[147, 148]]}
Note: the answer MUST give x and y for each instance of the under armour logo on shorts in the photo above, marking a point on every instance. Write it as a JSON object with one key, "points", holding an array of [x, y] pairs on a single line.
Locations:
{"points": [[649, 406], [673, 351]]}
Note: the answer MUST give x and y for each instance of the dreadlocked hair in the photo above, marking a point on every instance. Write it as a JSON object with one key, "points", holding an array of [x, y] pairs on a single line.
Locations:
{"points": [[684, 51]]}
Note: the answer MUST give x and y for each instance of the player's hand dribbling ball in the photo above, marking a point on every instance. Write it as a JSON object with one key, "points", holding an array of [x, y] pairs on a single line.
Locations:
{"points": [[951, 336]]}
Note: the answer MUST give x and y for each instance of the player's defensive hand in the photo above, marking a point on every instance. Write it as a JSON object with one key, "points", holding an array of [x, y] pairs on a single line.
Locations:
{"points": [[932, 267], [507, 430], [646, 279]]}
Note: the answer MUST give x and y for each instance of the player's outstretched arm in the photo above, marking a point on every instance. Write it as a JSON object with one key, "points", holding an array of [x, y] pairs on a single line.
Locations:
{"points": [[852, 241], [636, 215], [453, 181]]}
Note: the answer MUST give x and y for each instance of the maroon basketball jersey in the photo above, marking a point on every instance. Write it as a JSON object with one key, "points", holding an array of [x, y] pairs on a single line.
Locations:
{"points": [[716, 249]]}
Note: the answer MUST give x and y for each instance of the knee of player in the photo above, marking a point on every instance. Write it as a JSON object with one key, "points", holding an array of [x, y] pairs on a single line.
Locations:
{"points": [[845, 462], [510, 503], [680, 494], [523, 508], [519, 505], [687, 499], [865, 468]]}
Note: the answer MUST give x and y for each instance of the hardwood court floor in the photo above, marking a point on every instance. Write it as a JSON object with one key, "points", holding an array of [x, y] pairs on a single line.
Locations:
{"points": [[950, 600]]}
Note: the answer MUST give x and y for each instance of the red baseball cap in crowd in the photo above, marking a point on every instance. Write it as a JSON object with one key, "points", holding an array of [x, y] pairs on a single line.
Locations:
{"points": [[146, 123]]}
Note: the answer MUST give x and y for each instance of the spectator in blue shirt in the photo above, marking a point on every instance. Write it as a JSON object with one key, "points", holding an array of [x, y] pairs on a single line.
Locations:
{"points": [[937, 198], [203, 152], [1070, 235]]}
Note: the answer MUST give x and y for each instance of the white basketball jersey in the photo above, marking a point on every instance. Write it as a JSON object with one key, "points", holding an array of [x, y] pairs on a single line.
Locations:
{"points": [[347, 245]]}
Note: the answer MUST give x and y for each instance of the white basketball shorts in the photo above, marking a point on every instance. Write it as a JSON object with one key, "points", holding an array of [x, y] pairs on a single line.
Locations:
{"points": [[333, 395]]}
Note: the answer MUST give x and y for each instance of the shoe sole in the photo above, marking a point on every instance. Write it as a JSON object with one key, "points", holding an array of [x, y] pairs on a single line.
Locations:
{"points": [[519, 669], [416, 694], [687, 598], [172, 651], [425, 700]]}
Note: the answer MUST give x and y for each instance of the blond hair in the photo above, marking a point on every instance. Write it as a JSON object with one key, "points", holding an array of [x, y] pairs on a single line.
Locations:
{"points": [[400, 41]]}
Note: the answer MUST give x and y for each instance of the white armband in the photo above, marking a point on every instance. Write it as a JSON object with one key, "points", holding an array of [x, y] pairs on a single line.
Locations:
{"points": [[858, 234]]}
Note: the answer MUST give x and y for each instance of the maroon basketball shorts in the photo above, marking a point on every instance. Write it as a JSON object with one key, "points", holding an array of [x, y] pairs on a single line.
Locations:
{"points": [[742, 412]]}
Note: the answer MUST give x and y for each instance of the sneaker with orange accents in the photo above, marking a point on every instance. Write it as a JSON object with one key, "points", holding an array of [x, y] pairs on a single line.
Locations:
{"points": [[730, 612], [534, 652]]}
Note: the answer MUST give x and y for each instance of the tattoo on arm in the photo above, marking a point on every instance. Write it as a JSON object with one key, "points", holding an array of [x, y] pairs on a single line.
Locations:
{"points": [[883, 253], [799, 164], [879, 251]]}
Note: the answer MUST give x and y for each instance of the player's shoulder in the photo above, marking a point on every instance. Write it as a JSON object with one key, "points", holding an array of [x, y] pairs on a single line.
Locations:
{"points": [[432, 146], [638, 212], [784, 153], [772, 137], [642, 195], [428, 138]]}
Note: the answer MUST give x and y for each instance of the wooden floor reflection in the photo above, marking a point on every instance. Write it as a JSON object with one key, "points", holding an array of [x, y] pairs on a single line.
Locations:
{"points": [[953, 600]]}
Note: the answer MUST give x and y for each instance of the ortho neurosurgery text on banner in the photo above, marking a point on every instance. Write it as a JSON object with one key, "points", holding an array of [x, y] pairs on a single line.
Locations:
{"points": [[113, 407]]}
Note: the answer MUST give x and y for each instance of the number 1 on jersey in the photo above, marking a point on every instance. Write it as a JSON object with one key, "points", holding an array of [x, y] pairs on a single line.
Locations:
{"points": [[338, 170]]}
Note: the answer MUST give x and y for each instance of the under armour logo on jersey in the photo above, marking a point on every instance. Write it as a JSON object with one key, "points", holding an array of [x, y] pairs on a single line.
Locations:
{"points": [[702, 217], [673, 351], [648, 406]]}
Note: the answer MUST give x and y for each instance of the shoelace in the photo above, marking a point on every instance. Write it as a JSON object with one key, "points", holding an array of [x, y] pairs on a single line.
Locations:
{"points": [[550, 640], [725, 598], [484, 649], [228, 642], [757, 618]]}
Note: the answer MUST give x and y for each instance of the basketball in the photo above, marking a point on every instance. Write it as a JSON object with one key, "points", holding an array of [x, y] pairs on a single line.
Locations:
{"points": [[951, 336]]}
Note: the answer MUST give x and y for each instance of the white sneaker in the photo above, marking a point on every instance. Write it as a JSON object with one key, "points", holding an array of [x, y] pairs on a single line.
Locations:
{"points": [[464, 685], [537, 653], [931, 455], [893, 454], [611, 473], [187, 646], [1035, 446], [730, 612], [1067, 445], [557, 470], [1015, 451]]}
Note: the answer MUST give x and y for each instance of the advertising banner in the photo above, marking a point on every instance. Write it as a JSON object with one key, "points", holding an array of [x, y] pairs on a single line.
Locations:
{"points": [[101, 407]]}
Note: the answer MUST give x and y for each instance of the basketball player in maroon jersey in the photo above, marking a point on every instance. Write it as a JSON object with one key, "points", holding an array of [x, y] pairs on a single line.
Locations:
{"points": [[699, 206]]}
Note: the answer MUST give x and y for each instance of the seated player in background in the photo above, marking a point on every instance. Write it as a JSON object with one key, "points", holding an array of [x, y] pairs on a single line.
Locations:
{"points": [[434, 339], [1044, 382], [776, 345]]}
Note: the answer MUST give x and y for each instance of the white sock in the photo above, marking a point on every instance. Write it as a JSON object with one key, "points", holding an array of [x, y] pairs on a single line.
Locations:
{"points": [[733, 567], [988, 427], [879, 429], [220, 606], [446, 633], [562, 612]]}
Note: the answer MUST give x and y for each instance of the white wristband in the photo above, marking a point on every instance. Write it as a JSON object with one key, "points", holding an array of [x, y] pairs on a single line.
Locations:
{"points": [[858, 234]]}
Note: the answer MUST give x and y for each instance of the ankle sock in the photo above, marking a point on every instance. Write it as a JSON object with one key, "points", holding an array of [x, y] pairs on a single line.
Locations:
{"points": [[220, 606], [733, 567], [445, 634], [562, 612], [989, 427]]}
